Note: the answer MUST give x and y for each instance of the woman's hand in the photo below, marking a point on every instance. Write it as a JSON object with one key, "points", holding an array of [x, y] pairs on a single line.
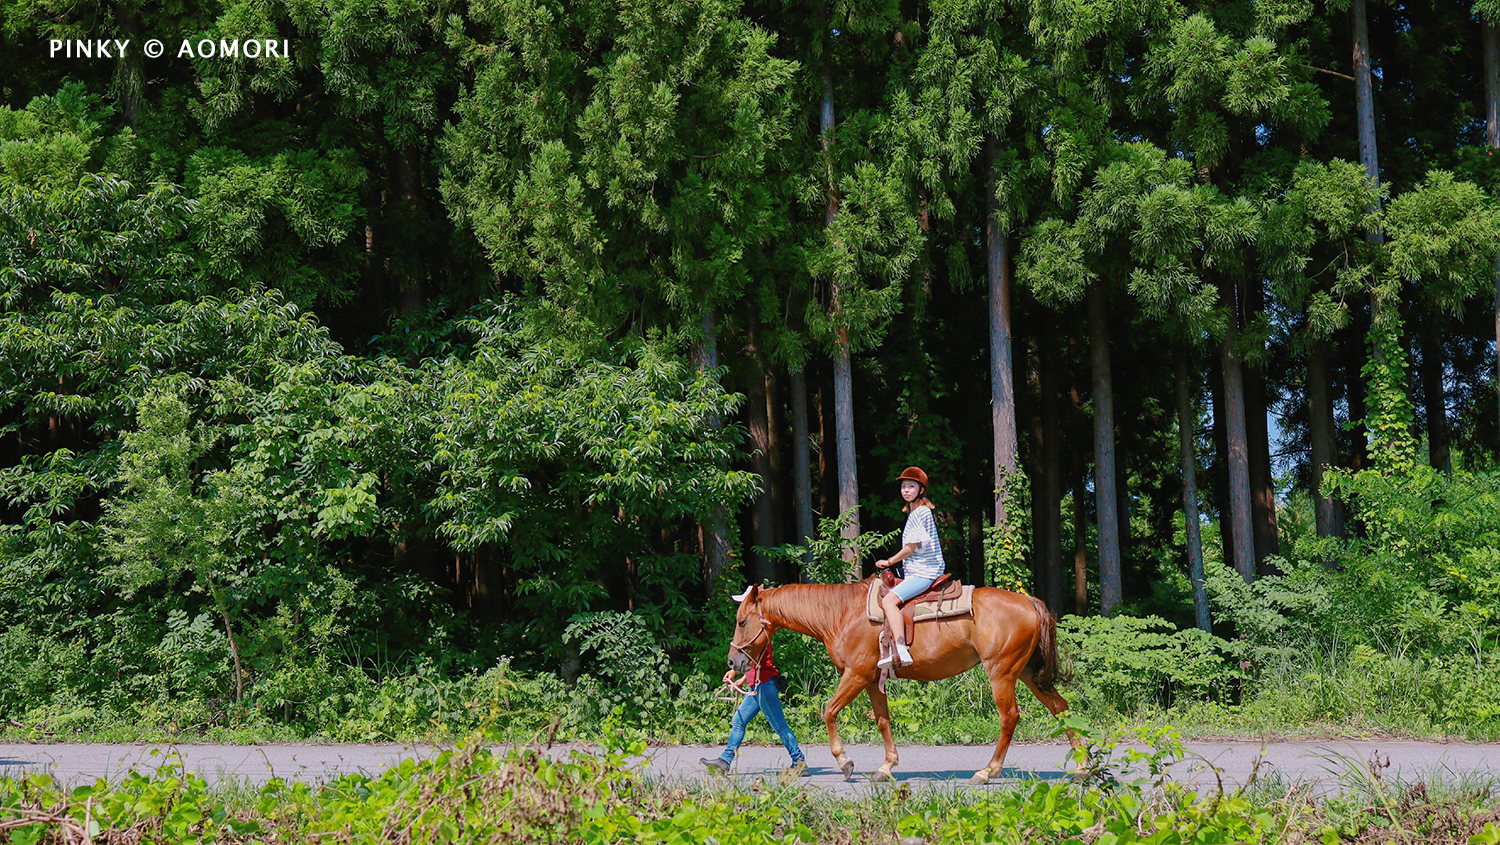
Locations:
{"points": [[729, 677], [883, 563]]}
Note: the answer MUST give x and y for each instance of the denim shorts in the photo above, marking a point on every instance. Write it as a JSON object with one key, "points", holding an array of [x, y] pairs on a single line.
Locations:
{"points": [[910, 588]]}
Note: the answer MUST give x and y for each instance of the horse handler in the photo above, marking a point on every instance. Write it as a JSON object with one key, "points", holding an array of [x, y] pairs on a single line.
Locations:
{"points": [[764, 681]]}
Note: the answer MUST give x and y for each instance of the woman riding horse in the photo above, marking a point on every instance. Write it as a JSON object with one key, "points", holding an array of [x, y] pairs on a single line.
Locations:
{"points": [[923, 553]]}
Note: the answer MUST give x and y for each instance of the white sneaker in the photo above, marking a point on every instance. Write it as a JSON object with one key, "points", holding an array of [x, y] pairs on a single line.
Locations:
{"points": [[903, 654]]}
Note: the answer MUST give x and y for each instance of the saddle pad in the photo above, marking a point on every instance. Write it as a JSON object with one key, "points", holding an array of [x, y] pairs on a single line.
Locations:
{"points": [[961, 606]]}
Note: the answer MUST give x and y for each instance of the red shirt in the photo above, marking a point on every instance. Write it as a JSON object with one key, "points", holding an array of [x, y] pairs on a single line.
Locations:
{"points": [[765, 670]]}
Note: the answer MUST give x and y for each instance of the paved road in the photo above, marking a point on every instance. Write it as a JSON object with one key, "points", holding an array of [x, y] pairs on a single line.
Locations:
{"points": [[1321, 762]]}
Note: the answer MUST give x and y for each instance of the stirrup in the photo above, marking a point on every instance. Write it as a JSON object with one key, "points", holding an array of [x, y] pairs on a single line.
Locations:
{"points": [[887, 662]]}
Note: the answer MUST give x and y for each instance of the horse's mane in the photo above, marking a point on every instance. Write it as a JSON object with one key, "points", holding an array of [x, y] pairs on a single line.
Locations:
{"points": [[813, 609]]}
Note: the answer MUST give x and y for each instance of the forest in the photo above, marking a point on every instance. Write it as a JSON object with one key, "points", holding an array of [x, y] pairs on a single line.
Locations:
{"points": [[468, 358]]}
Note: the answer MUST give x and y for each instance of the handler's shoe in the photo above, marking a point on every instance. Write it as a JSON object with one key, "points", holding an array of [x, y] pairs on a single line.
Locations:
{"points": [[792, 772], [716, 765]]}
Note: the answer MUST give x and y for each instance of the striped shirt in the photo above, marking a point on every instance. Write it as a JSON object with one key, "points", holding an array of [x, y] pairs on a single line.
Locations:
{"points": [[921, 529]]}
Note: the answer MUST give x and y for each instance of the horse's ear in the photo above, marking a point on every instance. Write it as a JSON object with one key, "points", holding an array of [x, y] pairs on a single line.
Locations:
{"points": [[749, 595]]}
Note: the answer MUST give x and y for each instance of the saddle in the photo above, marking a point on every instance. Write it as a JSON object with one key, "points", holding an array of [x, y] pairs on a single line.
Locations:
{"points": [[946, 588]]}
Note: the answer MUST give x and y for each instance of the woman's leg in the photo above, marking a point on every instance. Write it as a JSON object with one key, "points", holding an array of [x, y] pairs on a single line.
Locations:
{"points": [[747, 710], [891, 604], [770, 704]]}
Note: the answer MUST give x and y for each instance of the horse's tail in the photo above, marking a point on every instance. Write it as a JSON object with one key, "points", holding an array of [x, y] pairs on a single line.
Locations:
{"points": [[1043, 664]]}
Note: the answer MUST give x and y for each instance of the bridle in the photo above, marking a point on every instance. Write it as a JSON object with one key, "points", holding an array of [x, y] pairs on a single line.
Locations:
{"points": [[740, 647]]}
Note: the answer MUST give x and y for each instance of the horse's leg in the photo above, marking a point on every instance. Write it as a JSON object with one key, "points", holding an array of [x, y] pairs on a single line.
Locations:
{"points": [[1054, 702], [1003, 687], [849, 686], [883, 720]]}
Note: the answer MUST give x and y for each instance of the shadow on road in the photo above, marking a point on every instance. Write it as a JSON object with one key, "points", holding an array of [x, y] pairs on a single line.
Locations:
{"points": [[964, 775]]}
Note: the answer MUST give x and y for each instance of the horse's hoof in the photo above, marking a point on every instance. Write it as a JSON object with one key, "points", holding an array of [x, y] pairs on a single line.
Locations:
{"points": [[848, 769], [980, 777], [879, 776]]}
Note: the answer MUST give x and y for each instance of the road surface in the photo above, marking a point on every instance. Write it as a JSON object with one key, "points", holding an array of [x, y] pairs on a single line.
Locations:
{"points": [[1319, 762]]}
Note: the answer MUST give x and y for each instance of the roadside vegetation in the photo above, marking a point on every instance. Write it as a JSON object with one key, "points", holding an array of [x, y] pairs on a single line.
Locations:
{"points": [[532, 795]]}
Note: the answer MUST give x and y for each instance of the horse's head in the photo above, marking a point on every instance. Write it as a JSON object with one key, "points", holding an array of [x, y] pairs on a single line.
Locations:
{"points": [[752, 633]]}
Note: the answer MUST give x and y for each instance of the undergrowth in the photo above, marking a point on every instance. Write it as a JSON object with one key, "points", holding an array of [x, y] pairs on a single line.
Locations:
{"points": [[534, 795], [1318, 691]]}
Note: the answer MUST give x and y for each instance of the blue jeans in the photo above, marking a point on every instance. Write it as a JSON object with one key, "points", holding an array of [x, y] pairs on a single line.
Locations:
{"points": [[766, 699]]}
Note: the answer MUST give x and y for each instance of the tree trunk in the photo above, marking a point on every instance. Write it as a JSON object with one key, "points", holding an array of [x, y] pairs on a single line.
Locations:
{"points": [[776, 449], [408, 263], [1238, 447], [843, 377], [1492, 136], [801, 465], [1364, 94], [234, 648], [979, 504], [757, 410], [1364, 108], [715, 533], [1107, 516], [1002, 384], [1051, 492], [130, 76], [1186, 420], [1257, 429], [843, 423], [1080, 538], [1035, 471], [1122, 502], [1354, 389], [1219, 467], [1328, 512], [1434, 395], [827, 476]]}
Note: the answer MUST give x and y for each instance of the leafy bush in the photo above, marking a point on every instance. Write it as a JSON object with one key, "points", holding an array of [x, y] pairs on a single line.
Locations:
{"points": [[1124, 662], [823, 559]]}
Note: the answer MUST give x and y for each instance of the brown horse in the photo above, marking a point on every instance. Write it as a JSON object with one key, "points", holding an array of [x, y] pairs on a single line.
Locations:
{"points": [[1013, 635]]}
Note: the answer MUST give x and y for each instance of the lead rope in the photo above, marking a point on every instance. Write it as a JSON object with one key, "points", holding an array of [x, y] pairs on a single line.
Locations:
{"points": [[723, 694]]}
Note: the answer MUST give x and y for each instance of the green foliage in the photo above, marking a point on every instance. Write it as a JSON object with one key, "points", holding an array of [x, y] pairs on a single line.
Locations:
{"points": [[1313, 245], [1391, 413], [1425, 571], [823, 559], [1443, 234], [624, 655], [1124, 662], [1007, 547]]}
